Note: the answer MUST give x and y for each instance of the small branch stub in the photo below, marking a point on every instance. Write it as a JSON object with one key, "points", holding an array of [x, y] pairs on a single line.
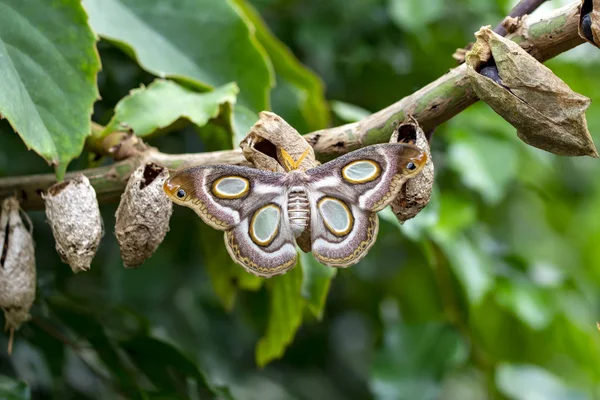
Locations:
{"points": [[142, 219], [546, 112], [74, 216], [17, 267], [416, 192]]}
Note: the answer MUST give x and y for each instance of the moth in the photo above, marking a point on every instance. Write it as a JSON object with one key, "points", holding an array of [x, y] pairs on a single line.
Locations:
{"points": [[329, 210]]}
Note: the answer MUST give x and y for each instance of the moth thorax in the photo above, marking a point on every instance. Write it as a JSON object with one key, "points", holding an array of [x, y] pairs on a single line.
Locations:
{"points": [[298, 210]]}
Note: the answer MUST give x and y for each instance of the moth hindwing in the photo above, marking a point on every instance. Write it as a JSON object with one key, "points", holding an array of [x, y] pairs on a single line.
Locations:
{"points": [[329, 210]]}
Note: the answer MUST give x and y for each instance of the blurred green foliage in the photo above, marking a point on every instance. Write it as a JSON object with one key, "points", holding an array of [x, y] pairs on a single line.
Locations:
{"points": [[491, 292]]}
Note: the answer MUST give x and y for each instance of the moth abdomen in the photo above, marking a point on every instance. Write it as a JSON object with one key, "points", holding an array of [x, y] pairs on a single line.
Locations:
{"points": [[298, 210]]}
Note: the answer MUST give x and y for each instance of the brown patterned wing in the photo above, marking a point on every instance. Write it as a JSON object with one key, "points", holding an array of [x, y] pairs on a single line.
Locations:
{"points": [[370, 177], [346, 193], [248, 204]]}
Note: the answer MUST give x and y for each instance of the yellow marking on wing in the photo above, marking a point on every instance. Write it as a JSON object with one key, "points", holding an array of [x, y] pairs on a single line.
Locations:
{"points": [[360, 250], [201, 209], [290, 163]]}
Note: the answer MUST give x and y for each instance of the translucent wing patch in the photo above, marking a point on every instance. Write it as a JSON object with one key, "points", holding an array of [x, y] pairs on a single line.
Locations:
{"points": [[361, 171], [224, 195], [263, 244], [342, 235], [370, 177], [230, 187], [264, 224], [336, 215]]}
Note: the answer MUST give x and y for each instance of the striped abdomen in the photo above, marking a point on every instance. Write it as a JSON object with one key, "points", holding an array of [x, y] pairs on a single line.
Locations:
{"points": [[298, 210]]}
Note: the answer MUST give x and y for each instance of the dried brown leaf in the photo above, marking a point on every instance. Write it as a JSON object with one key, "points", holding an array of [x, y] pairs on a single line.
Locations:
{"points": [[74, 216], [17, 266], [268, 137], [416, 192], [546, 112], [142, 219]]}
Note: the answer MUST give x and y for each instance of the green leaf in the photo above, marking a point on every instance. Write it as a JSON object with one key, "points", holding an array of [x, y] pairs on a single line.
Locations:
{"points": [[471, 266], [529, 303], [413, 360], [226, 276], [412, 16], [348, 112], [86, 326], [48, 64], [168, 369], [243, 119], [163, 102], [203, 42], [285, 316], [484, 163], [316, 279], [529, 382], [299, 94], [12, 389]]}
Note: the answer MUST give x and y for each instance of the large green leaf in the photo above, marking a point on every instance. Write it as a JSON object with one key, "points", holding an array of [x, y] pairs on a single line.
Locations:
{"points": [[225, 275], [169, 370], [413, 360], [204, 42], [48, 64], [299, 95], [11, 389], [163, 102], [316, 280], [285, 316]]}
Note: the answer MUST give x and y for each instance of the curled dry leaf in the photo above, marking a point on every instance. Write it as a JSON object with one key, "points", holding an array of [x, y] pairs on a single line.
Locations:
{"points": [[546, 112], [589, 21], [143, 214], [17, 267], [272, 144], [74, 216], [416, 192]]}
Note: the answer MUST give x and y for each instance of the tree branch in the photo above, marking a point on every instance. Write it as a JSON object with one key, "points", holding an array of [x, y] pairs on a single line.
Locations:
{"points": [[432, 105], [523, 7]]}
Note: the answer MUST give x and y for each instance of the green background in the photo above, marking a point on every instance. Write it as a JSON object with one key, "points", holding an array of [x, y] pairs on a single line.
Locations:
{"points": [[493, 291]]}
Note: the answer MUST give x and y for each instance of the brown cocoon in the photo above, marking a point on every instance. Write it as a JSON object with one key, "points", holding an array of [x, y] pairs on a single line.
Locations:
{"points": [[17, 267], [268, 137], [589, 21], [73, 214], [546, 112], [143, 214], [416, 192]]}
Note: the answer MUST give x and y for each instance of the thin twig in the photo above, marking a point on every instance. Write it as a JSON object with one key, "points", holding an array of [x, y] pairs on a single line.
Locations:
{"points": [[434, 104], [522, 8]]}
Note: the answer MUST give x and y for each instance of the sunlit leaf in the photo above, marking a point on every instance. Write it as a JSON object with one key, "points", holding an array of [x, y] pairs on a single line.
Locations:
{"points": [[177, 39], [285, 316], [485, 164], [48, 64], [529, 382], [162, 103]]}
